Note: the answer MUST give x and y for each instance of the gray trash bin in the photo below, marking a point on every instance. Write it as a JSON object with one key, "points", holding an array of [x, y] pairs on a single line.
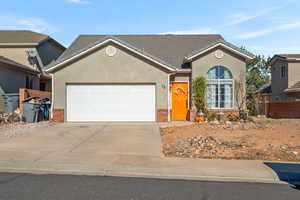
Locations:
{"points": [[31, 112], [11, 102]]}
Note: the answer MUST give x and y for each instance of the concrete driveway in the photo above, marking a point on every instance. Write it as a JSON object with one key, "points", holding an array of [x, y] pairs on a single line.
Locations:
{"points": [[81, 141], [113, 149]]}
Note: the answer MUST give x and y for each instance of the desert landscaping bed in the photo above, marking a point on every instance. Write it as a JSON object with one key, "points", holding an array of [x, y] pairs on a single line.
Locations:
{"points": [[273, 140]]}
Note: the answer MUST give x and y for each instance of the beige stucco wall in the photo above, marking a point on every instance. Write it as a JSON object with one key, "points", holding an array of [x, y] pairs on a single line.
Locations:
{"points": [[235, 63], [46, 50], [279, 84], [124, 67], [17, 54], [293, 73], [181, 77], [12, 80]]}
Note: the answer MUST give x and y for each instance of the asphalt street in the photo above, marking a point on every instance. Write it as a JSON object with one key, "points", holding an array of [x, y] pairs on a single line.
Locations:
{"points": [[56, 187]]}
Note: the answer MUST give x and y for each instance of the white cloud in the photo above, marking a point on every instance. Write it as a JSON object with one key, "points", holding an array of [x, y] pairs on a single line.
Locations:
{"points": [[204, 30], [79, 1], [26, 23], [255, 34], [241, 17]]}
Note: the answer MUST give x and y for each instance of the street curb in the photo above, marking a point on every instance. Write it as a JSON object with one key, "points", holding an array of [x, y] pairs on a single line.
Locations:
{"points": [[112, 173]]}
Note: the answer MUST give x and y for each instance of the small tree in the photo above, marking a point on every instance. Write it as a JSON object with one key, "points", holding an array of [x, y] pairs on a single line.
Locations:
{"points": [[199, 88], [258, 74], [240, 93]]}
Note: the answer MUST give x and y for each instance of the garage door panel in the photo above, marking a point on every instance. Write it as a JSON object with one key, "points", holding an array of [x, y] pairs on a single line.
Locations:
{"points": [[110, 103]]}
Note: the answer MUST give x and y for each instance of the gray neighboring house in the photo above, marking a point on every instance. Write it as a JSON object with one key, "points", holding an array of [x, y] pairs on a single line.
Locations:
{"points": [[144, 77], [24, 54], [13, 76], [285, 71]]}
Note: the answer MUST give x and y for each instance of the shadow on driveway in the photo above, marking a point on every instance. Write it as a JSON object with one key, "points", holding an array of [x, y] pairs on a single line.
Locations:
{"points": [[287, 172]]}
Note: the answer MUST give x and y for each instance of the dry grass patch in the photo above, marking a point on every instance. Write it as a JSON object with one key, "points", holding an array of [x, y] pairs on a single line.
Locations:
{"points": [[274, 140]]}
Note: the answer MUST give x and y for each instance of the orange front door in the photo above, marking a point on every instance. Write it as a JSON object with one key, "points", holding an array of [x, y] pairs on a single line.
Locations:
{"points": [[179, 101]]}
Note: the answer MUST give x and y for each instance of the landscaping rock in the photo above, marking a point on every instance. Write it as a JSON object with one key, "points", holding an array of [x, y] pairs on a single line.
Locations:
{"points": [[6, 118], [235, 126], [201, 146]]}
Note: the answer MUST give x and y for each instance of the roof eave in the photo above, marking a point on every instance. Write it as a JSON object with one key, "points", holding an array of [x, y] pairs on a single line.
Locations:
{"points": [[292, 90], [184, 71], [278, 57], [192, 56], [20, 67], [19, 44]]}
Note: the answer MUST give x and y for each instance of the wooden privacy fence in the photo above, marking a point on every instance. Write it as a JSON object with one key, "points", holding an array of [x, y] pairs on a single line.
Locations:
{"points": [[284, 109]]}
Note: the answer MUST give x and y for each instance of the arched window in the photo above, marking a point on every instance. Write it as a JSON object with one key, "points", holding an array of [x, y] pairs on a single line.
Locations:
{"points": [[219, 92]]}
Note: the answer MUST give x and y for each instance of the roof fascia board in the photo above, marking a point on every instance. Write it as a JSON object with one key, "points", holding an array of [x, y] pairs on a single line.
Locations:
{"points": [[184, 70], [276, 57], [20, 67], [19, 44], [291, 90], [103, 43], [214, 46]]}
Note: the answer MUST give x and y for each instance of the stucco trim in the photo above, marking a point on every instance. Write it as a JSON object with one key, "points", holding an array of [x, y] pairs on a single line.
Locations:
{"points": [[219, 44], [102, 43]]}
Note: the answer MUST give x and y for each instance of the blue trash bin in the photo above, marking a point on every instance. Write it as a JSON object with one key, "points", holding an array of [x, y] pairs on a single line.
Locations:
{"points": [[31, 112], [11, 102]]}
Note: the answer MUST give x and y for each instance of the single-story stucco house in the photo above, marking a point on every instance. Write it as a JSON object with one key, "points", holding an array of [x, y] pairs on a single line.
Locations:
{"points": [[143, 77]]}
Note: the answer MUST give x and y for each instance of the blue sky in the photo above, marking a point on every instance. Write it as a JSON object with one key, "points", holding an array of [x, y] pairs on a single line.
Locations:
{"points": [[262, 26]]}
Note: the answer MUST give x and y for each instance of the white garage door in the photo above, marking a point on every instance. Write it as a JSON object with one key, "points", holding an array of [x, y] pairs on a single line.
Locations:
{"points": [[110, 103]]}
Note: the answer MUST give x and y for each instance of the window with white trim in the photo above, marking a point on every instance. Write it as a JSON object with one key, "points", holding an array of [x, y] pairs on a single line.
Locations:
{"points": [[219, 93]]}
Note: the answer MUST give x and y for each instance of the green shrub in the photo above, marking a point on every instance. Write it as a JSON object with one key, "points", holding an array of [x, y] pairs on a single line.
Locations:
{"points": [[199, 88]]}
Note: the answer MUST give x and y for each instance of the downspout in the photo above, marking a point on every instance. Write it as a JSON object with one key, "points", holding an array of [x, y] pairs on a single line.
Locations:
{"points": [[52, 95], [169, 103]]}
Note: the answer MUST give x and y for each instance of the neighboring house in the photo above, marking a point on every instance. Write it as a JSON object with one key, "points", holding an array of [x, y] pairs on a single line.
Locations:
{"points": [[285, 86], [31, 49], [285, 71], [23, 55], [14, 76], [144, 77]]}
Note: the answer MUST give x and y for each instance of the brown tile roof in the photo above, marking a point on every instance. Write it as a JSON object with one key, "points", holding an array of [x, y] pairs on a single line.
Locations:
{"points": [[294, 88], [169, 48], [24, 36], [17, 65]]}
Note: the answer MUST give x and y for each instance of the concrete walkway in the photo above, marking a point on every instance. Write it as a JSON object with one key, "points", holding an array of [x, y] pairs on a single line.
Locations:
{"points": [[123, 150]]}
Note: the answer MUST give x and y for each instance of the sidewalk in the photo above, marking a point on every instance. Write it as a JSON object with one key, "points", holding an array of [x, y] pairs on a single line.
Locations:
{"points": [[153, 167]]}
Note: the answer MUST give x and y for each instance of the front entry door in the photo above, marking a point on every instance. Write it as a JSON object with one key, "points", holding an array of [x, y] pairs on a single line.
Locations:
{"points": [[179, 100]]}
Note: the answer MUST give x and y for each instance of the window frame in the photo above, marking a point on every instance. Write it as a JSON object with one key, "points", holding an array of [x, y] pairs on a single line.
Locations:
{"points": [[283, 72], [218, 82]]}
